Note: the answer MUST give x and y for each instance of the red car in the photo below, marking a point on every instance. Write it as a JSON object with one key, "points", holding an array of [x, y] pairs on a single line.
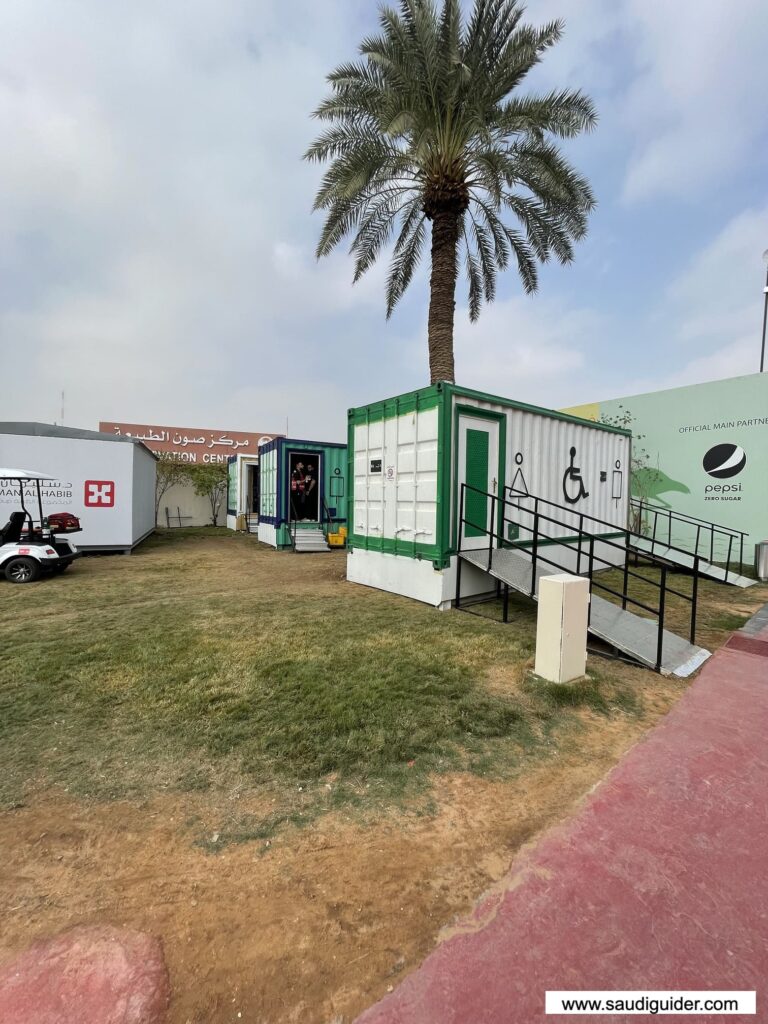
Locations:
{"points": [[63, 522]]}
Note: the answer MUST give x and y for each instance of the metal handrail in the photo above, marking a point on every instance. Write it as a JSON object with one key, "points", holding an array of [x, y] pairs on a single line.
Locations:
{"points": [[585, 515], [327, 520], [582, 536], [640, 505], [686, 515], [594, 536], [292, 523]]}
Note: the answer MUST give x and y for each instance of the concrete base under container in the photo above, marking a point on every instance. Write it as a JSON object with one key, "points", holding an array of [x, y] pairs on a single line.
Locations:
{"points": [[420, 580]]}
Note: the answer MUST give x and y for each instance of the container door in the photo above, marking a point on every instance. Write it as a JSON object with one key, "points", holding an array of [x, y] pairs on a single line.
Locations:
{"points": [[478, 467]]}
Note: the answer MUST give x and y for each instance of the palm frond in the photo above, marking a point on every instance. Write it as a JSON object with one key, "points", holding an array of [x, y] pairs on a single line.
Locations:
{"points": [[407, 254], [432, 110]]}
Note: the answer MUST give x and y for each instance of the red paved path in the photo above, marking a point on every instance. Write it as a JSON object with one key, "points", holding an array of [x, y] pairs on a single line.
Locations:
{"points": [[659, 882]]}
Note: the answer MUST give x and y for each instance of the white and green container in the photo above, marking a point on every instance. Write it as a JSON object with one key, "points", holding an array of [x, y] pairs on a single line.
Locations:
{"points": [[410, 455], [286, 509]]}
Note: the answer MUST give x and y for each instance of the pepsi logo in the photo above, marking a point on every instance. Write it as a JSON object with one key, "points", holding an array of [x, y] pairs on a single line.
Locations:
{"points": [[725, 460]]}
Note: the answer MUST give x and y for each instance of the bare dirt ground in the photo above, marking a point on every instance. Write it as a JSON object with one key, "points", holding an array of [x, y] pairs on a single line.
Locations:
{"points": [[317, 924]]}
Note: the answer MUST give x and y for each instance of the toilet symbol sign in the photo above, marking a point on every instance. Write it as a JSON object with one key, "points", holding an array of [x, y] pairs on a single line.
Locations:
{"points": [[519, 486], [99, 494], [573, 482]]}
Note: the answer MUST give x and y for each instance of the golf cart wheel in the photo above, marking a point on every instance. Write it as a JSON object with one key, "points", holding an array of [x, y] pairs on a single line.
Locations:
{"points": [[22, 570]]}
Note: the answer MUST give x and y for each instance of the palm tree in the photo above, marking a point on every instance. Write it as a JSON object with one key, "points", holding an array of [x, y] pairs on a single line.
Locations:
{"points": [[428, 126]]}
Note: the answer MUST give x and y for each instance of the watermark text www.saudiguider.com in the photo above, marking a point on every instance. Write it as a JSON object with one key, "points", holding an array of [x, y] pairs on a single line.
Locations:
{"points": [[650, 1003]]}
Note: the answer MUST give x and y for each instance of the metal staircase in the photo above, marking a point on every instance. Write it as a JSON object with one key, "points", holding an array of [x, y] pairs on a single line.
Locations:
{"points": [[316, 537], [308, 540], [555, 540], [653, 528]]}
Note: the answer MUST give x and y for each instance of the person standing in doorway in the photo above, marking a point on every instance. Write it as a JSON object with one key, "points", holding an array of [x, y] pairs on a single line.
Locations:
{"points": [[298, 495]]}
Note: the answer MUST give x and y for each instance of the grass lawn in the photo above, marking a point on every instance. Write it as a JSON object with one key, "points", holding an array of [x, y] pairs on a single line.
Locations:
{"points": [[167, 721], [205, 656]]}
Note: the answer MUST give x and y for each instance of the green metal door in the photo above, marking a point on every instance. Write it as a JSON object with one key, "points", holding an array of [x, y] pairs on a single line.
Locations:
{"points": [[478, 468], [476, 475]]}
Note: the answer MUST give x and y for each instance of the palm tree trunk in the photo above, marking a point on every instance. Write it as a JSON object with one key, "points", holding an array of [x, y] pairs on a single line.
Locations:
{"points": [[442, 295]]}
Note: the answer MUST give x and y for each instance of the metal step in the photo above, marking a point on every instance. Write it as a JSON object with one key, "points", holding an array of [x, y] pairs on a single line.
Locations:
{"points": [[683, 558], [310, 540], [627, 632]]}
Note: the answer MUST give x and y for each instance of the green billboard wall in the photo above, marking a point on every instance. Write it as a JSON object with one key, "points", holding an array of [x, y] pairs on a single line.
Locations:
{"points": [[707, 450]]}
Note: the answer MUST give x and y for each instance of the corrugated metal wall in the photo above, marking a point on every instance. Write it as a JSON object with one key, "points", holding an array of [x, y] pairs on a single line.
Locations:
{"points": [[395, 478], [539, 460]]}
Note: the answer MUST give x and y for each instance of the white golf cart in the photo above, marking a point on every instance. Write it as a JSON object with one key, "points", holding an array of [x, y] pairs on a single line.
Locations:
{"points": [[29, 549]]}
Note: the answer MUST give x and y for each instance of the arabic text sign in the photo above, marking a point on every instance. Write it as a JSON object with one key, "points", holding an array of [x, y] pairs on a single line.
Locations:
{"points": [[190, 444]]}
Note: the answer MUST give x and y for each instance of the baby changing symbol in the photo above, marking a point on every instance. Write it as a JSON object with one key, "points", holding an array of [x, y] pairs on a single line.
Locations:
{"points": [[573, 483]]}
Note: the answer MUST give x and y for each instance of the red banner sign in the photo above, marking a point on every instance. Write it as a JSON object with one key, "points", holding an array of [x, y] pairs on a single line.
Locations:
{"points": [[190, 444]]}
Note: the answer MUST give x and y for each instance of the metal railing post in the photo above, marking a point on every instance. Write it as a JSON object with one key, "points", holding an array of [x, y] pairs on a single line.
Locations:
{"points": [[490, 532], [591, 570], [694, 598], [578, 555], [625, 589], [535, 547], [741, 555], [461, 516], [458, 547], [662, 603], [712, 543], [728, 563], [506, 602]]}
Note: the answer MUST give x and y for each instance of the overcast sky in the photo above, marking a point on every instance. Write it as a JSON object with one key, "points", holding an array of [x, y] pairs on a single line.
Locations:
{"points": [[156, 239]]}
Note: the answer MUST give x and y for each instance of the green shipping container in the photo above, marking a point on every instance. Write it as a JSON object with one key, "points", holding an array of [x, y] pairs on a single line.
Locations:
{"points": [[287, 503]]}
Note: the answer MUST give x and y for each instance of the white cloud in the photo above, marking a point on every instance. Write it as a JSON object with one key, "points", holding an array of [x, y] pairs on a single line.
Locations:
{"points": [[697, 105], [680, 85], [153, 192], [735, 359], [156, 240], [529, 348], [711, 315], [718, 294]]}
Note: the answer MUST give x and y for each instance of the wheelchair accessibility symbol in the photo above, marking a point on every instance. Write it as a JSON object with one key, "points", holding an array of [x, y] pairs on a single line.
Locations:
{"points": [[571, 478]]}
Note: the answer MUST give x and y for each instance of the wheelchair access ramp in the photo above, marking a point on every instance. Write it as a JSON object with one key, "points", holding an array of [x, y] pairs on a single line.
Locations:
{"points": [[686, 560], [690, 543], [629, 633], [519, 565]]}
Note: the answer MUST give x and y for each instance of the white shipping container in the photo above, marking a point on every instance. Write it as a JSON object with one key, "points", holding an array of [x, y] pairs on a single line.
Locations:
{"points": [[108, 482], [412, 454]]}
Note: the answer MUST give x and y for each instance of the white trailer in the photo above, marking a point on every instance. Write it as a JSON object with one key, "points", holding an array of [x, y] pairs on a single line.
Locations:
{"points": [[108, 482]]}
